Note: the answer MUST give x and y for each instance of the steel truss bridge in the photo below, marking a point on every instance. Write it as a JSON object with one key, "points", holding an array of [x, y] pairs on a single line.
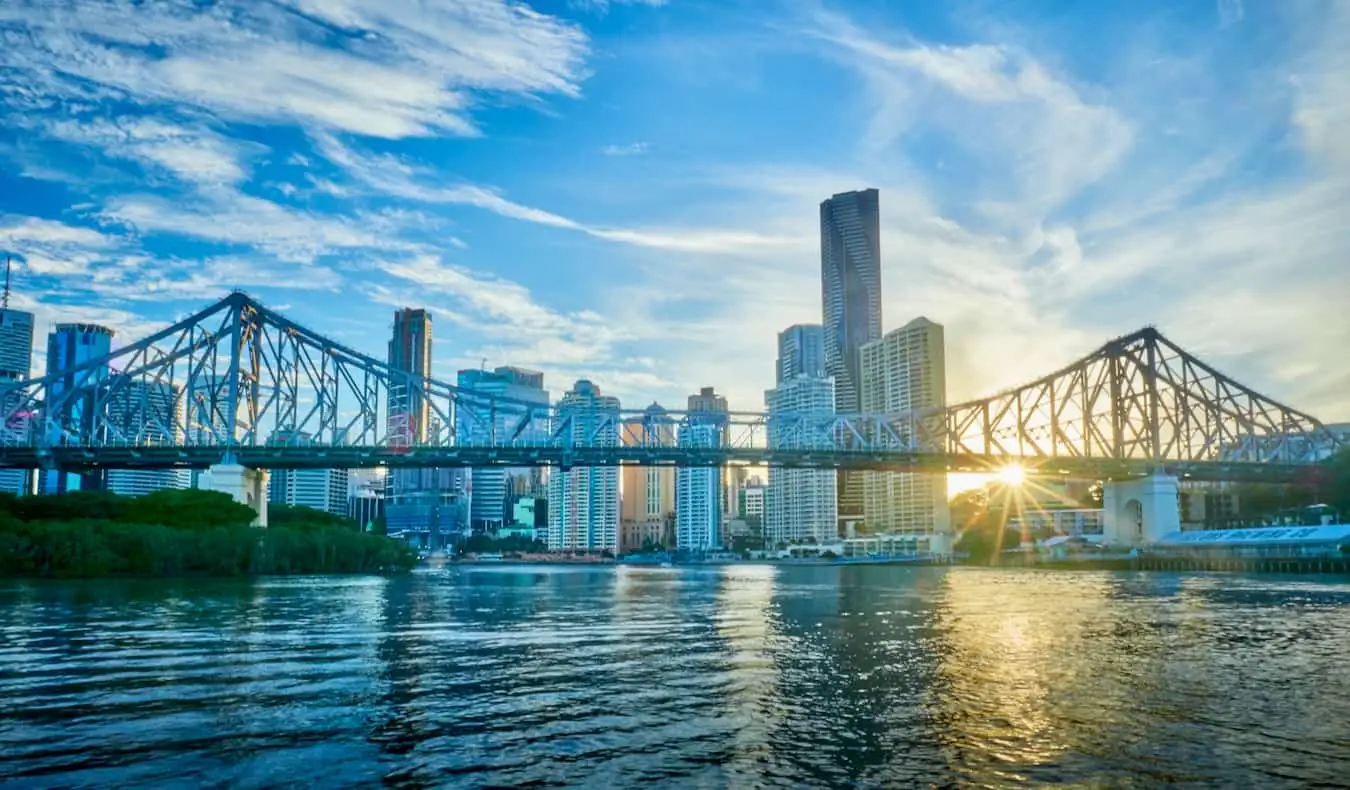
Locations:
{"points": [[239, 383]]}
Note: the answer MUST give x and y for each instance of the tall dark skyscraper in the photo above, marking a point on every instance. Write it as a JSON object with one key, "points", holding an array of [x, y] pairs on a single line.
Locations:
{"points": [[410, 350], [850, 286]]}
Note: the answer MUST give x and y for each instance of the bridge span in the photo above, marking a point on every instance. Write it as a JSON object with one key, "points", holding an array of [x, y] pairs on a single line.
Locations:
{"points": [[240, 386]]}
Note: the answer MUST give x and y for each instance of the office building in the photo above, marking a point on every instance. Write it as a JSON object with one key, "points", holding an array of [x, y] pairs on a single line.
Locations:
{"points": [[490, 488], [321, 489], [850, 276], [410, 352], [143, 412], [801, 352], [750, 503], [70, 346], [583, 502], [800, 503], [905, 371], [698, 490], [648, 496], [16, 355]]}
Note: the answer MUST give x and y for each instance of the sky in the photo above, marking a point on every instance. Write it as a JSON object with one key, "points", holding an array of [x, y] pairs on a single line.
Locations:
{"points": [[628, 190]]}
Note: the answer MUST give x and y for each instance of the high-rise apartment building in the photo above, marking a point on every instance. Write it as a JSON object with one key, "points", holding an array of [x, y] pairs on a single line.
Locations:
{"points": [[801, 352], [583, 502], [68, 347], [426, 506], [143, 412], [698, 491], [410, 352], [321, 489], [648, 496], [906, 371], [800, 503], [850, 278], [16, 355], [490, 487]]}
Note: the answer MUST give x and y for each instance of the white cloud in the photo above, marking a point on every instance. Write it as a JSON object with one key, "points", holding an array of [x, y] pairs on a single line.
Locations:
{"points": [[195, 155], [405, 68], [631, 149], [1231, 13], [603, 6]]}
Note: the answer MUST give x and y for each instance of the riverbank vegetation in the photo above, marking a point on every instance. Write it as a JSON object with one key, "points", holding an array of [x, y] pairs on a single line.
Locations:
{"points": [[176, 533]]}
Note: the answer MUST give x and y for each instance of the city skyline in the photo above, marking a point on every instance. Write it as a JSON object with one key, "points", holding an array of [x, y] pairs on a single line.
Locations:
{"points": [[554, 218]]}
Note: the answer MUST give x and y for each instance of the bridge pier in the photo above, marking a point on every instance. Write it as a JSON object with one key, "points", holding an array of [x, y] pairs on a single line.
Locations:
{"points": [[246, 486], [1139, 512]]}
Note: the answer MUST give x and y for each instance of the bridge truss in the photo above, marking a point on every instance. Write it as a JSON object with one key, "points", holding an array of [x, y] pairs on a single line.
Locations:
{"points": [[241, 383]]}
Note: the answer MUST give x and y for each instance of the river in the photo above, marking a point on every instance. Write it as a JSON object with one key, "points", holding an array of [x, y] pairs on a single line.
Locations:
{"points": [[731, 677]]}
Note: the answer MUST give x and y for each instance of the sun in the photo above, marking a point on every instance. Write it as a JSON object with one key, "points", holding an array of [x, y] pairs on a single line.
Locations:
{"points": [[1011, 475]]}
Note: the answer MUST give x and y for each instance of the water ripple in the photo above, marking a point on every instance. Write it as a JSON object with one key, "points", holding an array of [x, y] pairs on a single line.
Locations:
{"points": [[737, 677]]}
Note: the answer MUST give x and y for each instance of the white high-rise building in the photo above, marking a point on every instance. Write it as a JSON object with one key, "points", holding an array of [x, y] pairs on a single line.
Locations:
{"points": [[800, 503], [698, 490], [801, 352], [16, 356], [904, 371], [144, 413], [491, 486], [583, 502], [321, 489]]}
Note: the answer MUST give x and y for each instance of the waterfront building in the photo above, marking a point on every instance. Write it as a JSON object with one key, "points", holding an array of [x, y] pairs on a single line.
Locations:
{"points": [[426, 506], [365, 496], [850, 276], [801, 352], [321, 489], [490, 487], [16, 355], [144, 412], [751, 503], [583, 502], [647, 510], [905, 371], [68, 347], [698, 491], [800, 503]]}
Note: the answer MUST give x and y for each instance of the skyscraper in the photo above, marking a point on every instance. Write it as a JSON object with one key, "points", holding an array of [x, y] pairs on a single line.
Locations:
{"points": [[583, 502], [698, 491], [144, 412], [321, 489], [800, 503], [850, 279], [801, 352], [489, 508], [424, 505], [410, 352], [16, 355], [648, 497], [68, 347], [906, 371]]}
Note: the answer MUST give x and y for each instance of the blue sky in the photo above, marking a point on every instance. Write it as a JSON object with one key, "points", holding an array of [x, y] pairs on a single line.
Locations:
{"points": [[628, 191]]}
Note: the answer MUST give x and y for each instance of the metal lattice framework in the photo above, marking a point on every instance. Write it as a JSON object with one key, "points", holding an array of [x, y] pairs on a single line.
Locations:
{"points": [[238, 382]]}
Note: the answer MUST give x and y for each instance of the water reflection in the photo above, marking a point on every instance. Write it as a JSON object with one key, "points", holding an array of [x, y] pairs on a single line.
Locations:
{"points": [[744, 676]]}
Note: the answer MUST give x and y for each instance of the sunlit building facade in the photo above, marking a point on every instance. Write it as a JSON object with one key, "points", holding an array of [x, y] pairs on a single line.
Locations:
{"points": [[583, 502], [800, 503], [698, 491], [904, 371], [648, 497]]}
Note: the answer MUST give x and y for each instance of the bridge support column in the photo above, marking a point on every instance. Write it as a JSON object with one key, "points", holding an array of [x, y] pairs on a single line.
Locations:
{"points": [[1139, 512], [246, 486]]}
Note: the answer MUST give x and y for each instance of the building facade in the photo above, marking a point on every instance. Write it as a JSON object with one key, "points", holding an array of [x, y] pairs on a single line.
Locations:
{"points": [[69, 346], [321, 489], [16, 356], [490, 488], [800, 503], [144, 412], [801, 352], [698, 491], [583, 502], [850, 278], [904, 371], [647, 512]]}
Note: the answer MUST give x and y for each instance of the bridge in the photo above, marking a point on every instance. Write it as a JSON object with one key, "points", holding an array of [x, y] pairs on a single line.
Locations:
{"points": [[238, 387]]}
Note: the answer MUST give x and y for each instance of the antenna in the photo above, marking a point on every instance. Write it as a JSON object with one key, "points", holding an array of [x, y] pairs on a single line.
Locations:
{"points": [[4, 301]]}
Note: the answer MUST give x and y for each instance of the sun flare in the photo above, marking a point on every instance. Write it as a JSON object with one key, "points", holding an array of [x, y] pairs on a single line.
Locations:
{"points": [[1012, 475]]}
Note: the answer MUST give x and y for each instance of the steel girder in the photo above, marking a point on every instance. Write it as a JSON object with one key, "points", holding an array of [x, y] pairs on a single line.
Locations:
{"points": [[237, 375]]}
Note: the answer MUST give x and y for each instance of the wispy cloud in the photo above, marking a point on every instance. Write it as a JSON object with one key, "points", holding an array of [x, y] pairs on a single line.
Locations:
{"points": [[631, 149], [404, 69]]}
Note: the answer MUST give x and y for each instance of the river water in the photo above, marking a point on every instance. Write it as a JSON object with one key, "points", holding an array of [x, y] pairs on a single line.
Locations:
{"points": [[742, 676]]}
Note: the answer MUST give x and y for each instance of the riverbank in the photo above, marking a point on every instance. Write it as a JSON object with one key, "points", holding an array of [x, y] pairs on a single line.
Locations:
{"points": [[180, 534], [1295, 565]]}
